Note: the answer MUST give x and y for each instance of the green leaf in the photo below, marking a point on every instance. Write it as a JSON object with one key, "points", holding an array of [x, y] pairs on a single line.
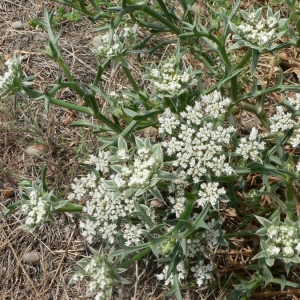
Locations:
{"points": [[70, 208], [86, 123], [139, 142], [44, 184], [175, 289], [146, 115], [270, 261], [117, 168], [10, 209], [166, 175], [263, 221], [156, 193], [122, 143], [255, 59], [59, 204]]}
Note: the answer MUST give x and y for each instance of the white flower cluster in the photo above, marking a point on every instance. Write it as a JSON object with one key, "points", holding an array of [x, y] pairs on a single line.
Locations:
{"points": [[257, 30], [107, 203], [199, 151], [202, 273], [193, 114], [194, 247], [295, 102], [119, 43], [140, 173], [122, 154], [133, 234], [295, 139], [99, 277], [210, 193], [283, 238], [109, 49], [120, 99], [182, 273], [178, 201], [7, 79], [104, 211], [211, 235], [215, 104], [203, 241], [129, 33], [168, 122], [281, 120], [168, 80], [36, 209], [100, 162], [250, 147]]}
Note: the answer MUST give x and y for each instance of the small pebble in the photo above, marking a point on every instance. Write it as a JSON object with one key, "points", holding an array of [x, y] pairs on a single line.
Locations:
{"points": [[17, 25], [35, 150], [96, 41], [31, 257]]}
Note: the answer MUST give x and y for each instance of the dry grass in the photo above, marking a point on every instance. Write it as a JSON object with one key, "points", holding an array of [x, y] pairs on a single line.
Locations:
{"points": [[63, 147]]}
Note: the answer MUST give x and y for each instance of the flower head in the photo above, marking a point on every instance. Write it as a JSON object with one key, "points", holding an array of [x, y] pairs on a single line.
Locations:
{"points": [[281, 120]]}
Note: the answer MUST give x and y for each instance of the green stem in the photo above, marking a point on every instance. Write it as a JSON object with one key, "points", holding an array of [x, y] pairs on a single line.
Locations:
{"points": [[94, 5], [234, 89], [184, 216], [129, 75], [82, 109], [70, 207], [100, 72], [84, 10], [60, 103], [234, 83], [135, 258], [65, 68], [159, 17], [244, 60]]}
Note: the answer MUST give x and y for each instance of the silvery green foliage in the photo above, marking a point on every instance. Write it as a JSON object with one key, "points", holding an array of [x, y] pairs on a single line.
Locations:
{"points": [[279, 240], [256, 31]]}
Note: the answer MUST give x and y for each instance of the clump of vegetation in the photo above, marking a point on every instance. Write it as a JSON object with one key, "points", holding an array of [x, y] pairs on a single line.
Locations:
{"points": [[167, 196]]}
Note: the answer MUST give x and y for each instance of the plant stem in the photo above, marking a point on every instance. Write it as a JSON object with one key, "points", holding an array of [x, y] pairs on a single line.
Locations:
{"points": [[65, 68], [137, 257], [129, 75], [244, 60], [94, 5], [160, 18]]}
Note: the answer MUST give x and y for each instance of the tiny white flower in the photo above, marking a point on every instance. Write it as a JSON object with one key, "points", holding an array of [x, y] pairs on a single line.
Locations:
{"points": [[281, 121], [273, 251], [288, 251]]}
